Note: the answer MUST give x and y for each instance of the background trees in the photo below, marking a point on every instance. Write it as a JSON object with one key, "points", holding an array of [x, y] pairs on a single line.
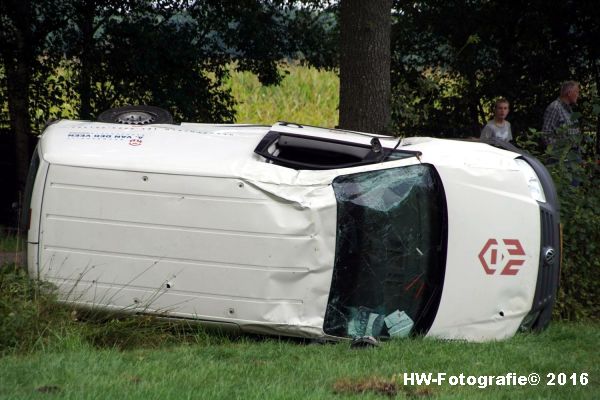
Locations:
{"points": [[447, 59], [169, 53], [452, 58], [26, 29]]}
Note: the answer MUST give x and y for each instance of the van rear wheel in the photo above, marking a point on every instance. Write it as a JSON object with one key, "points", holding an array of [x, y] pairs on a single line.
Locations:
{"points": [[136, 115]]}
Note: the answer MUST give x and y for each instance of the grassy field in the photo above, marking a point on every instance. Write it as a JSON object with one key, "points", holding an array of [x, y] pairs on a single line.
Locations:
{"points": [[218, 367], [305, 95], [51, 351]]}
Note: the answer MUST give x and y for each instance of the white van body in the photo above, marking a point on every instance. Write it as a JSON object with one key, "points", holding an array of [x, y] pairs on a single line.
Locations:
{"points": [[188, 221]]}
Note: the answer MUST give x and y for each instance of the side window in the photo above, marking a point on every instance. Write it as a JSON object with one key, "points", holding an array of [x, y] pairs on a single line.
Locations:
{"points": [[316, 153]]}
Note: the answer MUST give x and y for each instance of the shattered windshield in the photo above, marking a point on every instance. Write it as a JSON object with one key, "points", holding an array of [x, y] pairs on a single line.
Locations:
{"points": [[390, 252]]}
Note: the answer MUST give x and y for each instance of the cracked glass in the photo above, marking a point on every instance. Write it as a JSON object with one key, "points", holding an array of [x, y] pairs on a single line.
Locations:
{"points": [[390, 252]]}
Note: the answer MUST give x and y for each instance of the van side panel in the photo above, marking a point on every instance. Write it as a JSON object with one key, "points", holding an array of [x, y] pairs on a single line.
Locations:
{"points": [[192, 246]]}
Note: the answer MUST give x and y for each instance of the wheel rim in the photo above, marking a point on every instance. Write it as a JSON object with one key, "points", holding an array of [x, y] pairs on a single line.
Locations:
{"points": [[135, 118]]}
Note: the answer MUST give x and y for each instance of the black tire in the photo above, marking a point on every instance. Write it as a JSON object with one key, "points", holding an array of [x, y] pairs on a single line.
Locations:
{"points": [[136, 115]]}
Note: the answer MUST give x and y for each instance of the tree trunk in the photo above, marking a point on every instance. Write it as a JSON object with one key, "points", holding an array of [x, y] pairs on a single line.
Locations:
{"points": [[86, 18], [365, 65], [17, 56], [597, 76], [18, 78]]}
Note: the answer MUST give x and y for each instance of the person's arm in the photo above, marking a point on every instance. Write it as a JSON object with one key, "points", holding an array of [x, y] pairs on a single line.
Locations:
{"points": [[487, 133], [551, 122]]}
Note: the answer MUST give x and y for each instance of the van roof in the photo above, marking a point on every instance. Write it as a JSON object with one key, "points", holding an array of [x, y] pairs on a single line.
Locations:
{"points": [[220, 149]]}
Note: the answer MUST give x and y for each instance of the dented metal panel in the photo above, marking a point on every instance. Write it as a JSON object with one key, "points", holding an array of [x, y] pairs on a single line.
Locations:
{"points": [[195, 247]]}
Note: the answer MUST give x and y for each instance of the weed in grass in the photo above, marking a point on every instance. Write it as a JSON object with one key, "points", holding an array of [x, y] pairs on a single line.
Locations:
{"points": [[360, 386], [48, 389], [130, 332], [31, 319], [27, 310]]}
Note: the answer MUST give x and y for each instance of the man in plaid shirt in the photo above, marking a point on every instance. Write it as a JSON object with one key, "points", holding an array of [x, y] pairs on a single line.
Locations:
{"points": [[558, 113]]}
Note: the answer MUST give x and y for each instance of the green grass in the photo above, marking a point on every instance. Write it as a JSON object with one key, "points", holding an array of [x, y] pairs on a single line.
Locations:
{"points": [[48, 350], [305, 95], [9, 242], [247, 368]]}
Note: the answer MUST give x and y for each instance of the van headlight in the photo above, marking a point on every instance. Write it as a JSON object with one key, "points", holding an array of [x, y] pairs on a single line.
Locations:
{"points": [[533, 182]]}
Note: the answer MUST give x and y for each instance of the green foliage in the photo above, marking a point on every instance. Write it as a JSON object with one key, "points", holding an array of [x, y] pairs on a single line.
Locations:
{"points": [[31, 319], [305, 95], [487, 49], [10, 242], [571, 159], [85, 57], [4, 121], [53, 96], [27, 310]]}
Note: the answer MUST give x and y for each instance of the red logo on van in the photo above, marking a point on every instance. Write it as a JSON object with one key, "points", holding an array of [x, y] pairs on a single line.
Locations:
{"points": [[135, 142], [506, 256]]}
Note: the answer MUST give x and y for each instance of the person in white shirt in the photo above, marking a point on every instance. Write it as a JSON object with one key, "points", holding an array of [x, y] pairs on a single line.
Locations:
{"points": [[499, 127]]}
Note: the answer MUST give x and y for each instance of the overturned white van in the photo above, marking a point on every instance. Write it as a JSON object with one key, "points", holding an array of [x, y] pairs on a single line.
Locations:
{"points": [[295, 230]]}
